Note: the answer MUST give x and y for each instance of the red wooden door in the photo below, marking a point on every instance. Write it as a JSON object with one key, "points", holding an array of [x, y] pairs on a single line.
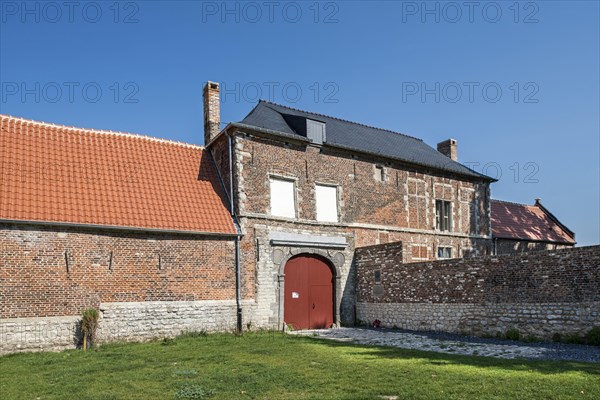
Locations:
{"points": [[308, 299]]}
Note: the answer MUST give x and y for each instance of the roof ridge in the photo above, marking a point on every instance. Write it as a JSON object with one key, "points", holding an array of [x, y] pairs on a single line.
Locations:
{"points": [[341, 119], [98, 131], [512, 202]]}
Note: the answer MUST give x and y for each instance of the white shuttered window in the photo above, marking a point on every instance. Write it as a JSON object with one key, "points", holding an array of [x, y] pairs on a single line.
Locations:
{"points": [[326, 197], [283, 199]]}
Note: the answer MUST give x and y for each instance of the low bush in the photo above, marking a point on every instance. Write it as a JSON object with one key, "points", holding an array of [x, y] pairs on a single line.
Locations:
{"points": [[557, 337], [531, 339], [593, 336], [512, 334], [167, 341]]}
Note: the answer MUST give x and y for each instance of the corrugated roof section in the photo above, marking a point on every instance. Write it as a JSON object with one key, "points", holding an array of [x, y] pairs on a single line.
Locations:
{"points": [[358, 137], [526, 222], [52, 173]]}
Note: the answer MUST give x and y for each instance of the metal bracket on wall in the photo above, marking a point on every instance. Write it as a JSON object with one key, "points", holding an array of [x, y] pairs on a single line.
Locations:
{"points": [[67, 260], [110, 260]]}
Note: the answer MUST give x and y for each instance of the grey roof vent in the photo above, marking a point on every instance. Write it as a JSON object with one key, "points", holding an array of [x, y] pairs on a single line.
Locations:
{"points": [[315, 131]]}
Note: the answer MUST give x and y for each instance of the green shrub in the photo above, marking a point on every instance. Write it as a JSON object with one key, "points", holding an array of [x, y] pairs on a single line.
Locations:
{"points": [[89, 325], [512, 334], [557, 337], [593, 336], [167, 341], [573, 339], [532, 339]]}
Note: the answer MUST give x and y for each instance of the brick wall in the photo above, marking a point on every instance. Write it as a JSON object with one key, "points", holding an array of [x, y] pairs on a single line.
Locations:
{"points": [[49, 275], [405, 199], [145, 267], [539, 293]]}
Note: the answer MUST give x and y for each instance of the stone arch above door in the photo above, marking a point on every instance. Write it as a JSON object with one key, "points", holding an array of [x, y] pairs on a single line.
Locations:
{"points": [[281, 255]]}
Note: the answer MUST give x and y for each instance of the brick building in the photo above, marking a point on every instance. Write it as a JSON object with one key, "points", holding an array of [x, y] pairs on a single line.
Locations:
{"points": [[262, 222], [518, 228], [316, 187], [135, 226]]}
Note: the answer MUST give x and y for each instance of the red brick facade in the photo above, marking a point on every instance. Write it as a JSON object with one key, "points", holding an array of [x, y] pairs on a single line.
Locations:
{"points": [[50, 271], [371, 211]]}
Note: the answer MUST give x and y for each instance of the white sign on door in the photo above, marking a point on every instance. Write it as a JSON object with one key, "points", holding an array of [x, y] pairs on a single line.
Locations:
{"points": [[295, 295]]}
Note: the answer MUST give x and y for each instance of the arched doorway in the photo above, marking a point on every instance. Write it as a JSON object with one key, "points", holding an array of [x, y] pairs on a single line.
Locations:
{"points": [[308, 300]]}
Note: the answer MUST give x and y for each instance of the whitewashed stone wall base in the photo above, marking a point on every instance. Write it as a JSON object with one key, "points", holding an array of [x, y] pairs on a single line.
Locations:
{"points": [[541, 320], [129, 321], [37, 334]]}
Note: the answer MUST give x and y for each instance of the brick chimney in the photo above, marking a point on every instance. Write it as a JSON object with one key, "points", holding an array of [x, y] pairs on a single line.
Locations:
{"points": [[212, 111], [449, 148]]}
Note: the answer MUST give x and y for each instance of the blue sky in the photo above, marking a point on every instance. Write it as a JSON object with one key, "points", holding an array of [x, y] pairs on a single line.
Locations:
{"points": [[517, 84]]}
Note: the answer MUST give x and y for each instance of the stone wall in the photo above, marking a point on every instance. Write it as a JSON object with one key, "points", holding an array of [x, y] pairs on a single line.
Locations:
{"points": [[129, 321], [538, 293]]}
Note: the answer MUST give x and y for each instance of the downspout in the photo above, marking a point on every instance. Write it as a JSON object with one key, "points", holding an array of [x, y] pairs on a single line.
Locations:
{"points": [[495, 246], [238, 273]]}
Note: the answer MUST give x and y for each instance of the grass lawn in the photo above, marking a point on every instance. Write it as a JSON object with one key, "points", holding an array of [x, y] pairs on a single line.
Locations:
{"points": [[277, 366]]}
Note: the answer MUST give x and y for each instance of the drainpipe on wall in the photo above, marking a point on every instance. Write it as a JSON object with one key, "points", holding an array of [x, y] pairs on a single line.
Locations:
{"points": [[212, 128], [238, 273]]}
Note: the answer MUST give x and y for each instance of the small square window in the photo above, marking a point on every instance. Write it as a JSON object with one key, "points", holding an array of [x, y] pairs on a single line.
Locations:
{"points": [[444, 252]]}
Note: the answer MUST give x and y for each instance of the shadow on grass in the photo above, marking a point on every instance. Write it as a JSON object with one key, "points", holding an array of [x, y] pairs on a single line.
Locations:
{"points": [[440, 359]]}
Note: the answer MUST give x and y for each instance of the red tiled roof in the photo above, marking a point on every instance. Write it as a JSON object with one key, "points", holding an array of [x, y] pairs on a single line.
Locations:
{"points": [[62, 174], [527, 222]]}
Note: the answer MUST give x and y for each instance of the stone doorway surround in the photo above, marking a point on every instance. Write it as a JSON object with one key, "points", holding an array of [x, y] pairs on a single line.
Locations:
{"points": [[286, 245]]}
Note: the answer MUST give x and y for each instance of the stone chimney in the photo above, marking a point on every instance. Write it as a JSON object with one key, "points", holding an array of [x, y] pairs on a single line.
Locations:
{"points": [[449, 148], [212, 111]]}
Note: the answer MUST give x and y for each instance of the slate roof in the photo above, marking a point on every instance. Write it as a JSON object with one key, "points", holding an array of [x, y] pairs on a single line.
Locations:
{"points": [[60, 174], [357, 137], [528, 222]]}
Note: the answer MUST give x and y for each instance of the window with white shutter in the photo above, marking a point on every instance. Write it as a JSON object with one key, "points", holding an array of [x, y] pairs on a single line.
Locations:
{"points": [[283, 198], [327, 202]]}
